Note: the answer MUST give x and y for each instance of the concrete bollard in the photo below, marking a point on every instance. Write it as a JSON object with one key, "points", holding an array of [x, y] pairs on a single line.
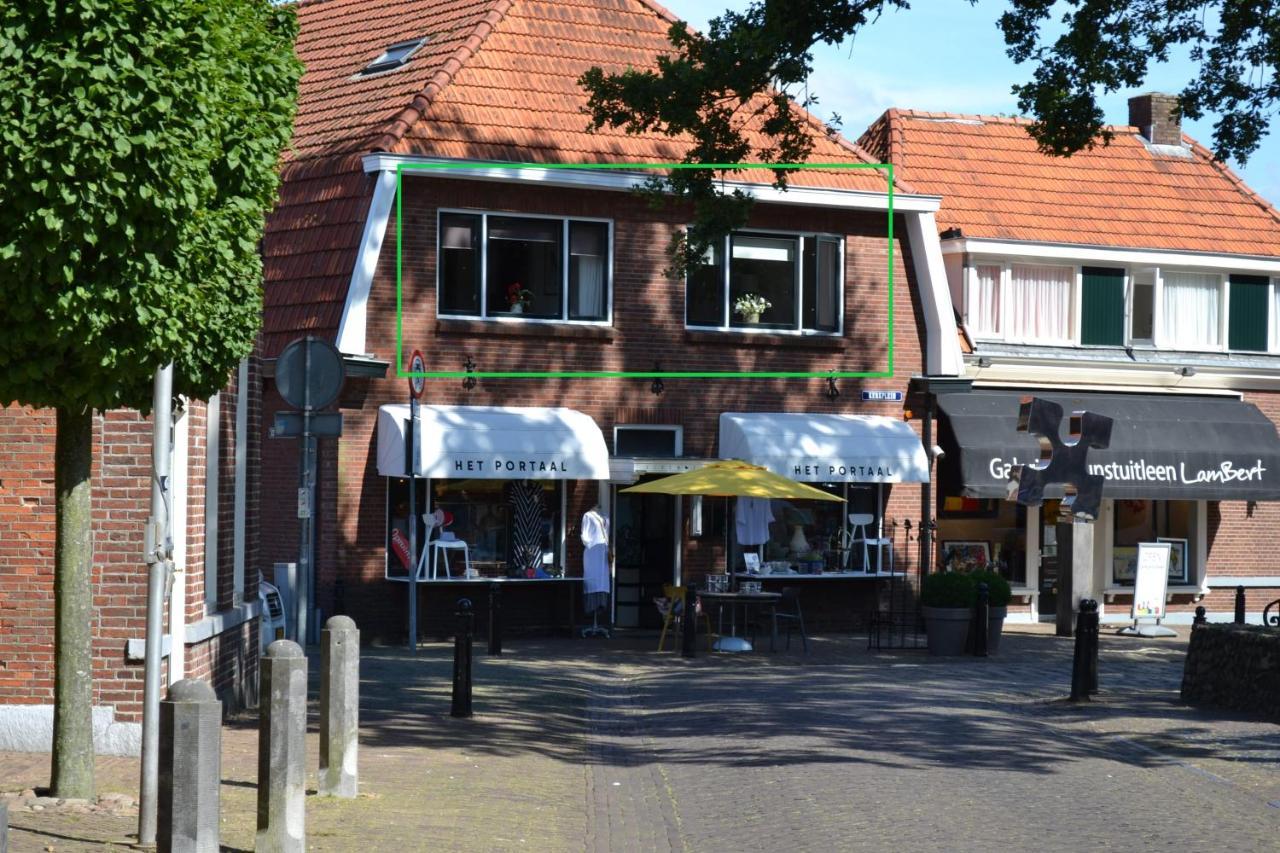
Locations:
{"points": [[190, 770], [339, 707], [282, 757]]}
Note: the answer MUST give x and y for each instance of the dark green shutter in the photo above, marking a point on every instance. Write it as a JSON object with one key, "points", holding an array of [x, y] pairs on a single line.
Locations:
{"points": [[1102, 307], [1248, 313]]}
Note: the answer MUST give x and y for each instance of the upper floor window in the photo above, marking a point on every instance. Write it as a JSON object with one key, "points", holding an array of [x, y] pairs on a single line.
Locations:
{"points": [[537, 267], [784, 282], [1105, 306]]}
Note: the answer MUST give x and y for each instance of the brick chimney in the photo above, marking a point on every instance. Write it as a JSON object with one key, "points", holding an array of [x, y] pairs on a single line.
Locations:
{"points": [[1157, 118]]}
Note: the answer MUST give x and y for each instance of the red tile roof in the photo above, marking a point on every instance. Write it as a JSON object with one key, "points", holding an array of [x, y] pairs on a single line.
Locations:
{"points": [[995, 184]]}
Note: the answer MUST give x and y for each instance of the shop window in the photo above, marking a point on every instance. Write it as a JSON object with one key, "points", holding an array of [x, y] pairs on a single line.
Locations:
{"points": [[647, 441], [804, 534], [511, 527], [1101, 307], [539, 268], [1247, 314], [794, 281], [983, 524], [1153, 521]]}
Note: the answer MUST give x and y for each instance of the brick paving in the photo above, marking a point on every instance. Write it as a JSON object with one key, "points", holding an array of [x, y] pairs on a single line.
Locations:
{"points": [[605, 745]]}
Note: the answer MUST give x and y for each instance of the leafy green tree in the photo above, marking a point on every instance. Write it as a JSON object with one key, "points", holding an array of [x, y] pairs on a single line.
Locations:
{"points": [[710, 88], [140, 142]]}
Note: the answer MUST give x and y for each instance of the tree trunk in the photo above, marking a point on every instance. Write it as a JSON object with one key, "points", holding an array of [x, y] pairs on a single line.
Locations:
{"points": [[73, 603]]}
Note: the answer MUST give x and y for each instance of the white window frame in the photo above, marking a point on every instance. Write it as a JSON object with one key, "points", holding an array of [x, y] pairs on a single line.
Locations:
{"points": [[483, 249], [725, 286], [1006, 284], [676, 428], [1197, 549], [1224, 309]]}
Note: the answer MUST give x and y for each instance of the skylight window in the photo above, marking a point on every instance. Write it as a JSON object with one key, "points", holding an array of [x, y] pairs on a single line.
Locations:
{"points": [[394, 56]]}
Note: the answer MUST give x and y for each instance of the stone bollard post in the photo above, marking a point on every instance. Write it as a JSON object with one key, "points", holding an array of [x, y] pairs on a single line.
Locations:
{"points": [[282, 756], [495, 618], [982, 621], [190, 771], [689, 627], [1200, 617], [339, 707], [461, 705], [1240, 605]]}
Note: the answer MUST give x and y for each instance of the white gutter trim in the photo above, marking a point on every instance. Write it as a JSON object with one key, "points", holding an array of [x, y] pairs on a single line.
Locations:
{"points": [[600, 179], [1108, 254], [1130, 378], [942, 346], [351, 330]]}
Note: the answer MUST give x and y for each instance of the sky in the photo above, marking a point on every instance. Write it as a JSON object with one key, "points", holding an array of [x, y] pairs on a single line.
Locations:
{"points": [[949, 56]]}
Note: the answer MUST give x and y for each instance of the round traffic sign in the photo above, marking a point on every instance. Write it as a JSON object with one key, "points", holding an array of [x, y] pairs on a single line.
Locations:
{"points": [[417, 374], [309, 373]]}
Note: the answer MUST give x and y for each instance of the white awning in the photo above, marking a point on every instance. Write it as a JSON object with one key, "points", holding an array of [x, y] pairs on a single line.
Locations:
{"points": [[826, 448], [494, 443]]}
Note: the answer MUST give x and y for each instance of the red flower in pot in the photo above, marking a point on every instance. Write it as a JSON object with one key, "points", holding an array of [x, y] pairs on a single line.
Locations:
{"points": [[518, 297]]}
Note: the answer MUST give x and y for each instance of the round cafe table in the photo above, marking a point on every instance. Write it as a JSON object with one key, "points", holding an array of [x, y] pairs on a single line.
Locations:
{"points": [[734, 600]]}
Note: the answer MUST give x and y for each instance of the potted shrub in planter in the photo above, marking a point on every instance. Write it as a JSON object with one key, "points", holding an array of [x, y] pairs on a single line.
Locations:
{"points": [[948, 599], [998, 596]]}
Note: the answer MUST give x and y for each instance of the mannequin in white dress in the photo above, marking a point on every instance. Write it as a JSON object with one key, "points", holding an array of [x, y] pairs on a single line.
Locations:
{"points": [[595, 568]]}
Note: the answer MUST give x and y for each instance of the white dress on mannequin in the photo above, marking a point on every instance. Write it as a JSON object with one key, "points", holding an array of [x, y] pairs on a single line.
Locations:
{"points": [[595, 559]]}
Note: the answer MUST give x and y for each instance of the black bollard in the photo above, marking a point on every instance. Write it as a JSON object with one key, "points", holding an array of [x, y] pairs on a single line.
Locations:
{"points": [[982, 621], [689, 627], [495, 618], [1200, 617], [1080, 660], [1095, 632], [1240, 605], [462, 661]]}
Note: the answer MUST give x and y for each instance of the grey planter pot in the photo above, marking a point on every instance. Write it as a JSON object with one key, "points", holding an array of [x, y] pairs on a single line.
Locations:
{"points": [[995, 627], [947, 629]]}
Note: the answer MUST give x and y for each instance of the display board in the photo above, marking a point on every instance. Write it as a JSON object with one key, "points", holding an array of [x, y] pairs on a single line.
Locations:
{"points": [[1152, 580]]}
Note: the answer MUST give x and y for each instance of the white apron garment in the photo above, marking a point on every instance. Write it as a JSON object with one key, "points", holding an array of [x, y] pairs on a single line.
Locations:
{"points": [[752, 517], [595, 556]]}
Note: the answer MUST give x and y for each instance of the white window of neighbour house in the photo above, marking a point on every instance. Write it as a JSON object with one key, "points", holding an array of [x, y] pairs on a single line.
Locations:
{"points": [[1040, 303], [982, 300], [1192, 314]]}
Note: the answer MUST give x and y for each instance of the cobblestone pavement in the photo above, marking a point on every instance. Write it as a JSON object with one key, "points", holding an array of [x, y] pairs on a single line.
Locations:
{"points": [[605, 745]]}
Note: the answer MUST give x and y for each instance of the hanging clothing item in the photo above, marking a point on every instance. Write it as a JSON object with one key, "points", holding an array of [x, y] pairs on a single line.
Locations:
{"points": [[595, 555], [751, 520]]}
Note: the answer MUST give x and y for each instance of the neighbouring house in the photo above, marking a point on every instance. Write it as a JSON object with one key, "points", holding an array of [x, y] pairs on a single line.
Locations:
{"points": [[1139, 280], [214, 597], [489, 269]]}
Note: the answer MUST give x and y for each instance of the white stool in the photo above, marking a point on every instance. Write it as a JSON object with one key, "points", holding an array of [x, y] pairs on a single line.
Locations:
{"points": [[442, 547], [859, 521]]}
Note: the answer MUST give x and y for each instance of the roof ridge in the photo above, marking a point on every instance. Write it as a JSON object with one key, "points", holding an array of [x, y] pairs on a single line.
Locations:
{"points": [[663, 12], [407, 117], [1230, 174]]}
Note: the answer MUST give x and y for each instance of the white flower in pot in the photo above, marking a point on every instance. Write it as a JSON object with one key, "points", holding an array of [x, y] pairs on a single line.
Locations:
{"points": [[750, 306]]}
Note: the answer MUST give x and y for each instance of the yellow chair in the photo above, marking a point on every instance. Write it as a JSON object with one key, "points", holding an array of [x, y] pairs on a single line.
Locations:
{"points": [[676, 595]]}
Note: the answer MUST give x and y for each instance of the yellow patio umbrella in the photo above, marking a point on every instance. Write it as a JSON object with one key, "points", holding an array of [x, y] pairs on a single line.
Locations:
{"points": [[732, 479]]}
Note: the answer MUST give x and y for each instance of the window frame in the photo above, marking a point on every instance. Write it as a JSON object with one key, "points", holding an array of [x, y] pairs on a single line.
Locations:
{"points": [[1159, 340], [565, 263], [726, 247], [1197, 549], [677, 429]]}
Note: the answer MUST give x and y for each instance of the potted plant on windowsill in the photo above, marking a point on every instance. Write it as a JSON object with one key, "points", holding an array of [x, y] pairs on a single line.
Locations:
{"points": [[749, 306], [998, 597], [947, 599], [517, 298]]}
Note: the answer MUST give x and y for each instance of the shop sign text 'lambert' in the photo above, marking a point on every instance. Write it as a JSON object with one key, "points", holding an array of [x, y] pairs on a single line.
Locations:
{"points": [[1140, 471]]}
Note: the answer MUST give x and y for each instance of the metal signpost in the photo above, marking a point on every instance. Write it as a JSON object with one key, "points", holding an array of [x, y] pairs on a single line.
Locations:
{"points": [[309, 375], [417, 384]]}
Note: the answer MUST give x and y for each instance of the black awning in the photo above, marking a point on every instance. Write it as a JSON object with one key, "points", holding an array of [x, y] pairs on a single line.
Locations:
{"points": [[1162, 447]]}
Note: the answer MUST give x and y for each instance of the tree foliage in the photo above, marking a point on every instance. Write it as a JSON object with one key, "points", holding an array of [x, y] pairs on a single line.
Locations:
{"points": [[711, 87], [139, 151]]}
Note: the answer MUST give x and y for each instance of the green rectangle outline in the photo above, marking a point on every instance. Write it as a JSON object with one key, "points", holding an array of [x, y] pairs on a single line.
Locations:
{"points": [[625, 374]]}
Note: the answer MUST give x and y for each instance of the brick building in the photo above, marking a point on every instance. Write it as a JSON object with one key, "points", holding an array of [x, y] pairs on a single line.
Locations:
{"points": [[215, 539], [559, 270], [1139, 280]]}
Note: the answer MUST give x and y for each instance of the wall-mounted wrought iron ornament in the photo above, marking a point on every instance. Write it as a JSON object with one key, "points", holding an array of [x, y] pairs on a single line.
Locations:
{"points": [[1061, 462], [832, 391], [469, 382], [657, 387]]}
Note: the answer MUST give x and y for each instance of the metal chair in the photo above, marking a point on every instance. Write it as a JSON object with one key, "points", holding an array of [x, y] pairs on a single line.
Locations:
{"points": [[858, 524], [673, 615], [788, 610]]}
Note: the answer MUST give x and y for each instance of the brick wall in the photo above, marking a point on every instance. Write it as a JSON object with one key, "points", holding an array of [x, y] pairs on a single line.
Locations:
{"points": [[120, 505], [648, 327]]}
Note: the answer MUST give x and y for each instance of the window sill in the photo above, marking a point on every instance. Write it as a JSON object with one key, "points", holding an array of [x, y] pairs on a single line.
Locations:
{"points": [[735, 338], [1172, 589], [459, 326]]}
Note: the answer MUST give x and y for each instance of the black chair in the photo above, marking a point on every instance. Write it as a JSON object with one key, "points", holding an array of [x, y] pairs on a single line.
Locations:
{"points": [[788, 610]]}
